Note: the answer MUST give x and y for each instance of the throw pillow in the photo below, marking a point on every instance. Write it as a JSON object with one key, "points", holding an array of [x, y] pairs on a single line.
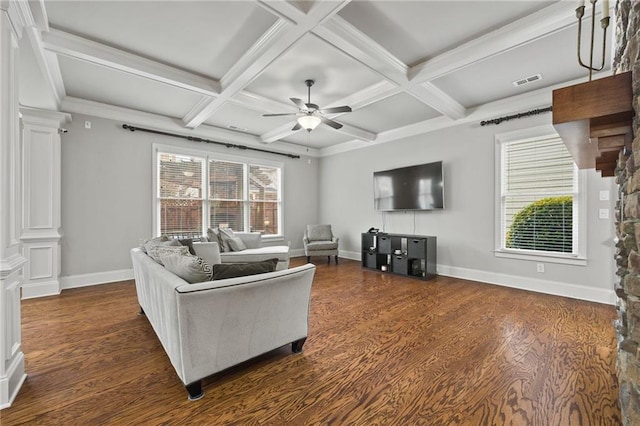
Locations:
{"points": [[319, 232], [160, 239], [213, 235], [188, 242], [192, 269], [236, 244], [156, 252], [232, 270], [224, 235]]}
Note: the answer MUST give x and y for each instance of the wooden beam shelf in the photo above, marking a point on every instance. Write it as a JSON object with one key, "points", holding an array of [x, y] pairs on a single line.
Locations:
{"points": [[594, 120]]}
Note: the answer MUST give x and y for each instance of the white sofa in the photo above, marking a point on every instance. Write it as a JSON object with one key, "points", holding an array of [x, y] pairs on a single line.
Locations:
{"points": [[210, 326], [255, 252]]}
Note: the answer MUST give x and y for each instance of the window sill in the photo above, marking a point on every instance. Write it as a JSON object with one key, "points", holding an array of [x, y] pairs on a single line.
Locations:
{"points": [[542, 257]]}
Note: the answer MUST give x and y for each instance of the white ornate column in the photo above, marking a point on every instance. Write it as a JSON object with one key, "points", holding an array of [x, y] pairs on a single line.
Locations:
{"points": [[41, 201], [12, 373]]}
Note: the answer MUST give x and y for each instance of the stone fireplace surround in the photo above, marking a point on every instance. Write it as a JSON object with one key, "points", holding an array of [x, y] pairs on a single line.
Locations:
{"points": [[627, 287]]}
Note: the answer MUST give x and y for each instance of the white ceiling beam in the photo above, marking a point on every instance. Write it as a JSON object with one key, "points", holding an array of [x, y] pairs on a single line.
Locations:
{"points": [[358, 133], [260, 103], [82, 49], [278, 133], [274, 43], [438, 100], [525, 30], [367, 96], [361, 47]]}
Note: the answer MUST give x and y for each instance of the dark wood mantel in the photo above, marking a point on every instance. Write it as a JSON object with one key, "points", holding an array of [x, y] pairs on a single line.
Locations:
{"points": [[594, 120]]}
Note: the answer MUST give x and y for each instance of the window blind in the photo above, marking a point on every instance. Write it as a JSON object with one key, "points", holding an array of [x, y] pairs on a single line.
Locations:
{"points": [[539, 186], [180, 194]]}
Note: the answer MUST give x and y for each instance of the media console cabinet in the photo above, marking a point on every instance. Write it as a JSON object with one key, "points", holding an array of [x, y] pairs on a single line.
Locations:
{"points": [[402, 254]]}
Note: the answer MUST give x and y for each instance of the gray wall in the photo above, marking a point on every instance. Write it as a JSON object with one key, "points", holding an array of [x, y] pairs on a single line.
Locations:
{"points": [[465, 228], [107, 193]]}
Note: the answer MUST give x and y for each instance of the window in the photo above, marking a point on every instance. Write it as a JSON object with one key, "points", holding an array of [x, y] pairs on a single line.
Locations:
{"points": [[198, 190], [540, 199]]}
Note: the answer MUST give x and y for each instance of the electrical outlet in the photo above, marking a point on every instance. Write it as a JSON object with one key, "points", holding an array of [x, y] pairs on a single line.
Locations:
{"points": [[540, 267], [604, 195], [603, 213], [87, 124]]}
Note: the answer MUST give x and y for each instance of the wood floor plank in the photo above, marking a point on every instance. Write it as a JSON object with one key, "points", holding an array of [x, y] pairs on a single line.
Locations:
{"points": [[382, 349]]}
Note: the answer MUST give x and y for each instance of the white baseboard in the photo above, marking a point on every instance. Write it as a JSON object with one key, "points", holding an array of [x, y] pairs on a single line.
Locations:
{"points": [[40, 289], [85, 280], [574, 291], [12, 382]]}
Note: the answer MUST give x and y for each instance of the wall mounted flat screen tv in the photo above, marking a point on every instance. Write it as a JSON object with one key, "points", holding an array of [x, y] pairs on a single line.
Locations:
{"points": [[419, 187]]}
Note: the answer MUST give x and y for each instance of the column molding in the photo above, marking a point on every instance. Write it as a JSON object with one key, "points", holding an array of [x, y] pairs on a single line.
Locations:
{"points": [[41, 194], [14, 15]]}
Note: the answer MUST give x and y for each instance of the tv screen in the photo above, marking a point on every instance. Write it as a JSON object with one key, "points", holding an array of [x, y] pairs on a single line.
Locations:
{"points": [[419, 187]]}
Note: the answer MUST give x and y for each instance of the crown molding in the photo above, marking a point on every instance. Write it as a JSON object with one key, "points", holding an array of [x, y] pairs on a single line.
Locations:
{"points": [[168, 124], [82, 49]]}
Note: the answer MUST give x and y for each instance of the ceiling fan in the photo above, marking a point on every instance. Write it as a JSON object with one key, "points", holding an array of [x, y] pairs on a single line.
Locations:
{"points": [[311, 115]]}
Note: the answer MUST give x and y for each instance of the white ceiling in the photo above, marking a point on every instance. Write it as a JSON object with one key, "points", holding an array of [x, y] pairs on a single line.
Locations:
{"points": [[403, 66]]}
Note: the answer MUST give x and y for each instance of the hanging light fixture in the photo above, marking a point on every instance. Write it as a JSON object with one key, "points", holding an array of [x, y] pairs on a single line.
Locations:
{"points": [[604, 23], [309, 121]]}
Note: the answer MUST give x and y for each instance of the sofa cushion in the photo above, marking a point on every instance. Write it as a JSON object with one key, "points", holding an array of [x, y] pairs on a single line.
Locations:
{"points": [[210, 252], [322, 245], [232, 270], [192, 269], [256, 255], [236, 244], [319, 233]]}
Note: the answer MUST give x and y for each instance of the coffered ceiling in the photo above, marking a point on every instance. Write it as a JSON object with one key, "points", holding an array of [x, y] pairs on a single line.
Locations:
{"points": [[215, 67]]}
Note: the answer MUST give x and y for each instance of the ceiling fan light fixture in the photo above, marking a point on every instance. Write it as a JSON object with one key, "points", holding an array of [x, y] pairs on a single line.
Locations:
{"points": [[309, 122]]}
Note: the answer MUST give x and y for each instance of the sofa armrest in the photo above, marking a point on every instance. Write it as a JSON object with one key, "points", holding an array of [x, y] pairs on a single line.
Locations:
{"points": [[250, 239]]}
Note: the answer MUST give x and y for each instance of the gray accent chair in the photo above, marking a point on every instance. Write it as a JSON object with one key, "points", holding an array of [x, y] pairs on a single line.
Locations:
{"points": [[318, 240]]}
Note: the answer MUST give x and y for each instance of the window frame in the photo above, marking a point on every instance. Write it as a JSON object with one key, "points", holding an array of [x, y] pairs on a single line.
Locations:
{"points": [[207, 156], [578, 257]]}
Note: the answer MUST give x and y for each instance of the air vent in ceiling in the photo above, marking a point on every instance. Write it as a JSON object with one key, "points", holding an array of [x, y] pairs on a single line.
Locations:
{"points": [[236, 128], [527, 80]]}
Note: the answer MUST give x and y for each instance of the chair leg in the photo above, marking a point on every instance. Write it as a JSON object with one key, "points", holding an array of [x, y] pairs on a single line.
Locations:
{"points": [[308, 259], [336, 259], [329, 259]]}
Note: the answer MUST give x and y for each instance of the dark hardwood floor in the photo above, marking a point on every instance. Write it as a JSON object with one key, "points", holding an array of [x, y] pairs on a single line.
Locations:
{"points": [[382, 350]]}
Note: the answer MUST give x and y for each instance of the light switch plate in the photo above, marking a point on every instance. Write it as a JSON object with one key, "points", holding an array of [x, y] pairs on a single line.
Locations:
{"points": [[603, 213], [604, 195]]}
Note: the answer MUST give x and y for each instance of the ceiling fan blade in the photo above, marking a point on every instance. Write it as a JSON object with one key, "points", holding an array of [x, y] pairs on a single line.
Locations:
{"points": [[279, 115], [331, 123], [296, 127], [335, 110], [299, 104]]}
